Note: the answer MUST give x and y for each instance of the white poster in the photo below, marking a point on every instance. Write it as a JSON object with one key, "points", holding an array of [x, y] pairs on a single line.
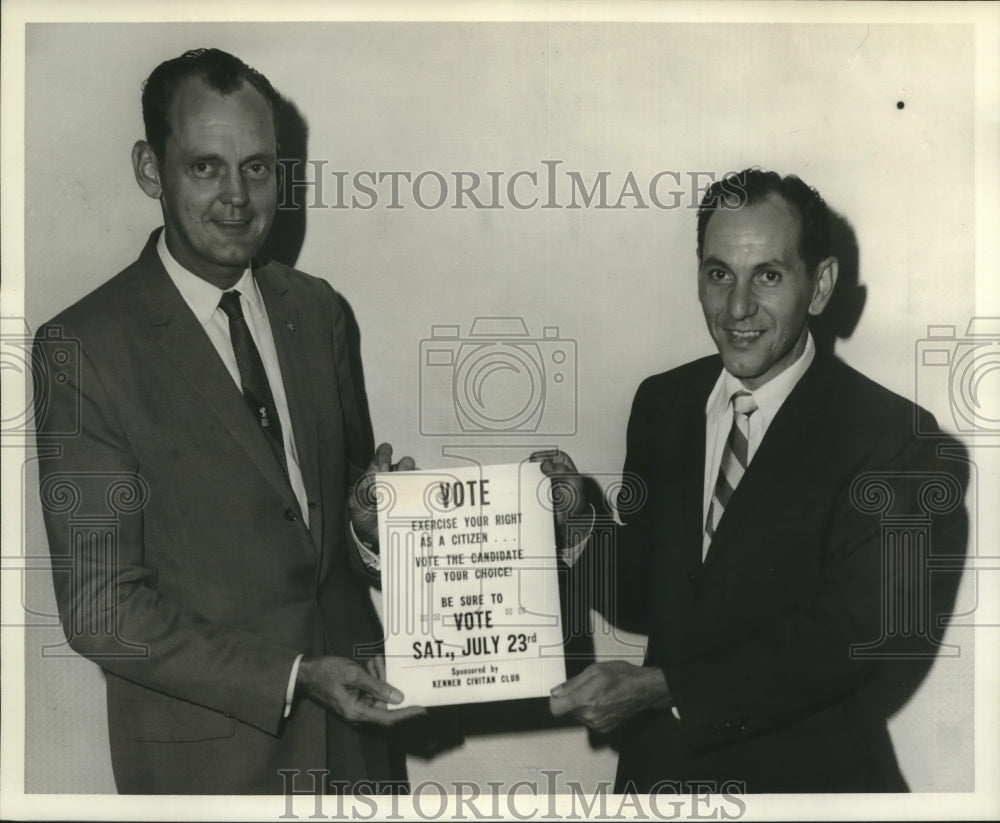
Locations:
{"points": [[470, 584]]}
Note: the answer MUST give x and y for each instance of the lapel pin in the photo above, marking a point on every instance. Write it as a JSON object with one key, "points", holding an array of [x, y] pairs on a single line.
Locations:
{"points": [[290, 324]]}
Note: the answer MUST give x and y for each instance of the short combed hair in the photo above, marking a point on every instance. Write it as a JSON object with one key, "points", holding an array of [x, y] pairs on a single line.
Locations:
{"points": [[220, 71], [744, 188]]}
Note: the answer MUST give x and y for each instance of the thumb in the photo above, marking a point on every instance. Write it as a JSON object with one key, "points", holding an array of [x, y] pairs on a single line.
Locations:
{"points": [[559, 706], [377, 688], [382, 460]]}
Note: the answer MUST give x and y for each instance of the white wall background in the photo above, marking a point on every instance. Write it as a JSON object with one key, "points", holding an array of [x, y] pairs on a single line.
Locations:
{"points": [[817, 100]]}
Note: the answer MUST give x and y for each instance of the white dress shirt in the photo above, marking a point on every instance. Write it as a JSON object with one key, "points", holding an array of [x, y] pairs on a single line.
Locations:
{"points": [[719, 418], [203, 300]]}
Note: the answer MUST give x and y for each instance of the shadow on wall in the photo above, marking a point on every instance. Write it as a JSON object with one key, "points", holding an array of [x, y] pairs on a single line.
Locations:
{"points": [[284, 243], [844, 310], [912, 655]]}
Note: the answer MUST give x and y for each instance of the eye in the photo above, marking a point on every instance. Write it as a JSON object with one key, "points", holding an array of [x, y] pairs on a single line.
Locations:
{"points": [[769, 277], [716, 275], [203, 168], [257, 170]]}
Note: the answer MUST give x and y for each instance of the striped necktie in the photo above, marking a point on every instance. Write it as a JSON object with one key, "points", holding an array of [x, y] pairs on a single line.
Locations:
{"points": [[734, 460], [256, 389]]}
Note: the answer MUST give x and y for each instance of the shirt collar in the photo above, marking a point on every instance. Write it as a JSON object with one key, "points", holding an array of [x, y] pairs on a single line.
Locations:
{"points": [[768, 397], [200, 295]]}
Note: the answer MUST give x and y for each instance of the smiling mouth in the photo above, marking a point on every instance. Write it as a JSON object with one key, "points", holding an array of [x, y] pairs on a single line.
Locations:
{"points": [[233, 225], [744, 336]]}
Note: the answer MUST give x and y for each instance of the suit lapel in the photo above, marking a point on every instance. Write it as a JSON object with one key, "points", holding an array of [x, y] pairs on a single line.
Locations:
{"points": [[283, 311], [677, 431], [789, 437], [183, 341], [692, 467]]}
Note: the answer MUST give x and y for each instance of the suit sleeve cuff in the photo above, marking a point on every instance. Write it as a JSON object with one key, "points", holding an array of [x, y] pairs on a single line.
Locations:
{"points": [[571, 554], [371, 561], [290, 691], [670, 697]]}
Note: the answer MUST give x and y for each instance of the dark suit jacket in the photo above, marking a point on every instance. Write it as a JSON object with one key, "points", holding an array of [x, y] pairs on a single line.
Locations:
{"points": [[183, 565], [756, 641]]}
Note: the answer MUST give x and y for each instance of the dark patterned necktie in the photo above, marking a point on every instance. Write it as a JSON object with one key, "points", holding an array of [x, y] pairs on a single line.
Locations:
{"points": [[734, 459], [256, 389]]}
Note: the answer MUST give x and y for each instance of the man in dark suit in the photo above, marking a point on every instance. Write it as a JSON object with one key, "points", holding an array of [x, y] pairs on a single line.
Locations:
{"points": [[785, 618], [208, 400]]}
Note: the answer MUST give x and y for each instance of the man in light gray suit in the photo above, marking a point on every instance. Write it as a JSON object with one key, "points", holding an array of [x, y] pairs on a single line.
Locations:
{"points": [[218, 389]]}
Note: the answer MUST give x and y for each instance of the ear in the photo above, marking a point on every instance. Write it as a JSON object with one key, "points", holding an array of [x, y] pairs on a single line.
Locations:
{"points": [[826, 279], [147, 169]]}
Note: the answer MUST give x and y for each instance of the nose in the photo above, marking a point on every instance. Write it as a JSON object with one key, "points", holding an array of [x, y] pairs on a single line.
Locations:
{"points": [[741, 301], [234, 190]]}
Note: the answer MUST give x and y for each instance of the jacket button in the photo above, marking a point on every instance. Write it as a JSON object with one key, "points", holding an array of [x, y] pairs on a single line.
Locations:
{"points": [[290, 514], [692, 577]]}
